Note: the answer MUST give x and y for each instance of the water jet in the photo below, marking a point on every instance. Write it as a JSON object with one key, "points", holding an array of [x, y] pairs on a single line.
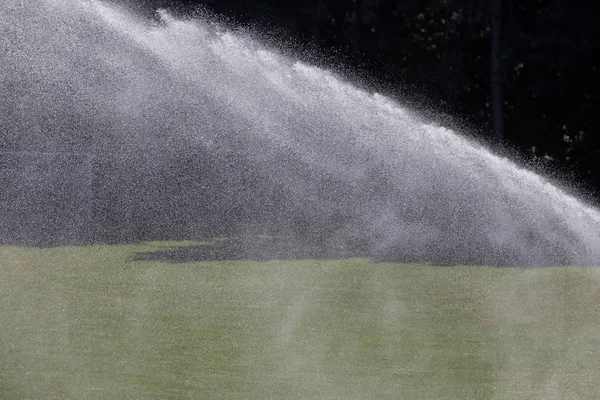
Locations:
{"points": [[198, 131]]}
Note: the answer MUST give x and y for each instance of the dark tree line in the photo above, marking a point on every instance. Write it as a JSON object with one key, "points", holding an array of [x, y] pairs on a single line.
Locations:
{"points": [[519, 72]]}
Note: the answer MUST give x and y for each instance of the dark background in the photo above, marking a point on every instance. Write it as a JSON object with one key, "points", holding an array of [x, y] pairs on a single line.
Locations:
{"points": [[437, 56]]}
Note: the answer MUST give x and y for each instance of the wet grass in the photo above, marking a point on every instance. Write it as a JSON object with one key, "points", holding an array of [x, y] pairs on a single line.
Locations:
{"points": [[89, 322]]}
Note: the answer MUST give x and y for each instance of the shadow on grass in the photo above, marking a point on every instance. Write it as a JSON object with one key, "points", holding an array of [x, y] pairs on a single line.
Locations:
{"points": [[266, 248], [256, 249]]}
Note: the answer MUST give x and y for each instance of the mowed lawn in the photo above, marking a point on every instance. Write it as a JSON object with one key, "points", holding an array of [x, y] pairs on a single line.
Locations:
{"points": [[90, 323]]}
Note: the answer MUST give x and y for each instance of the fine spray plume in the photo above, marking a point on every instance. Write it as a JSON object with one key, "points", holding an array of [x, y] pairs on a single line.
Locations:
{"points": [[195, 131]]}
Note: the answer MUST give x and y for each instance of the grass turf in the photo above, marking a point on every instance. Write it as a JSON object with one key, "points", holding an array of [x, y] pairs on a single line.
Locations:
{"points": [[90, 323]]}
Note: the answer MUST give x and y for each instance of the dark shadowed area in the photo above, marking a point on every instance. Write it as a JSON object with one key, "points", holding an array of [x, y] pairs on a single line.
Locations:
{"points": [[255, 249]]}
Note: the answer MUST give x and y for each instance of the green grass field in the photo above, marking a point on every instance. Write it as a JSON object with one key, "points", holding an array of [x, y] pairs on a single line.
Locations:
{"points": [[89, 323]]}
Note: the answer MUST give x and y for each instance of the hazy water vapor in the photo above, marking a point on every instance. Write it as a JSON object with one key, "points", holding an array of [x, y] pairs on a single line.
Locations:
{"points": [[199, 130]]}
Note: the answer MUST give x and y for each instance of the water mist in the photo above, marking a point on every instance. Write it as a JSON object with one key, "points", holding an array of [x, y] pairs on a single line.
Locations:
{"points": [[196, 130]]}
